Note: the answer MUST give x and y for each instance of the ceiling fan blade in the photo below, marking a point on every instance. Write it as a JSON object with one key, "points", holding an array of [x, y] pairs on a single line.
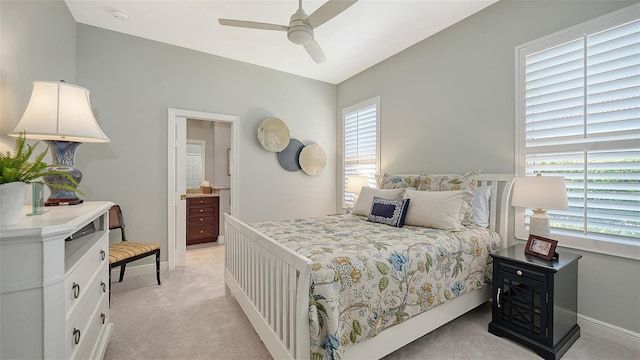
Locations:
{"points": [[253, 25], [315, 52], [328, 11]]}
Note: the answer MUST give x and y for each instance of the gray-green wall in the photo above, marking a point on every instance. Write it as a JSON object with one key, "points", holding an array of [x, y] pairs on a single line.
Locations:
{"points": [[447, 105], [37, 42], [134, 81]]}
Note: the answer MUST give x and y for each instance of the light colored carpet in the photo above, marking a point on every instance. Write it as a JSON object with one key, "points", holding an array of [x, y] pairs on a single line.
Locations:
{"points": [[188, 317]]}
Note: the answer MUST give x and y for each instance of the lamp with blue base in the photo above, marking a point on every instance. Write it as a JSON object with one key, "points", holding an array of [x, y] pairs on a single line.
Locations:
{"points": [[60, 113]]}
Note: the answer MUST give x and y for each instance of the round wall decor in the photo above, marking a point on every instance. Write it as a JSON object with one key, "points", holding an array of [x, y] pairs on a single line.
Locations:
{"points": [[312, 159], [288, 157], [273, 134]]}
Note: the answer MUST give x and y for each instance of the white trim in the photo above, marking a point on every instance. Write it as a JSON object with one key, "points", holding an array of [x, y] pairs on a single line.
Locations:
{"points": [[610, 332], [173, 113]]}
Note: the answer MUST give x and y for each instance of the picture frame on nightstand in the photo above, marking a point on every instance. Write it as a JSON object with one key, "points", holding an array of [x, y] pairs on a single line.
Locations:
{"points": [[541, 247]]}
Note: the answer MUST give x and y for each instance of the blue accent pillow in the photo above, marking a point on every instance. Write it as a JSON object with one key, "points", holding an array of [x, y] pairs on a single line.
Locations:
{"points": [[390, 212]]}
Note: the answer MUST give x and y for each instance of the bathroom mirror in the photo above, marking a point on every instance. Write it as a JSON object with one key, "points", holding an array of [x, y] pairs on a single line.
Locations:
{"points": [[196, 160]]}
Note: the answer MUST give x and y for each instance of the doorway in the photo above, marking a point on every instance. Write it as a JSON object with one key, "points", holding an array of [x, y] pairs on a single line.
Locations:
{"points": [[176, 176]]}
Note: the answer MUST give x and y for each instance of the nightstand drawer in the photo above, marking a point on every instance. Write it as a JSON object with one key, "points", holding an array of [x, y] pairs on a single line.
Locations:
{"points": [[522, 271]]}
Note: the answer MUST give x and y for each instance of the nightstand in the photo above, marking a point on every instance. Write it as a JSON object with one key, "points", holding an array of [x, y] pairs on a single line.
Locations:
{"points": [[535, 301]]}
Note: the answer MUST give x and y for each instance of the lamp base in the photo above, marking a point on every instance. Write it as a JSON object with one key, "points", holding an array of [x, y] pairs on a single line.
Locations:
{"points": [[63, 155], [539, 223], [60, 202]]}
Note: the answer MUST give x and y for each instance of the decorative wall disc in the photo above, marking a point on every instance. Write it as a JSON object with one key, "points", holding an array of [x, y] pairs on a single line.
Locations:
{"points": [[312, 159], [288, 157], [273, 134]]}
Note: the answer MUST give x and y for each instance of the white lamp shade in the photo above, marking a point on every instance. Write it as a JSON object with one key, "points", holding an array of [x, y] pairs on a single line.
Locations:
{"points": [[540, 192], [59, 111], [356, 182]]}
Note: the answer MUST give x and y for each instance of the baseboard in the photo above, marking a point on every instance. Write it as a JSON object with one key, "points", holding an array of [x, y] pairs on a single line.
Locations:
{"points": [[610, 332], [146, 269], [221, 240]]}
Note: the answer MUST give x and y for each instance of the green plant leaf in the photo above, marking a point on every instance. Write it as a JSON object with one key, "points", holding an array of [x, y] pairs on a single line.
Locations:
{"points": [[17, 167]]}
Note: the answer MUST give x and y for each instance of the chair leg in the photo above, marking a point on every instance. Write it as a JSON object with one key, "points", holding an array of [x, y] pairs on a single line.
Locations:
{"points": [[158, 266], [122, 267]]}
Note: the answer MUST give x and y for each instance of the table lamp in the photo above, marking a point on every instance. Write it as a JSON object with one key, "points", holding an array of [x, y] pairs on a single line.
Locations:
{"points": [[355, 184], [60, 114], [540, 193]]}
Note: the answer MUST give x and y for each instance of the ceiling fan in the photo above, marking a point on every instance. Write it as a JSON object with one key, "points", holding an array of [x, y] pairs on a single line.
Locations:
{"points": [[301, 25]]}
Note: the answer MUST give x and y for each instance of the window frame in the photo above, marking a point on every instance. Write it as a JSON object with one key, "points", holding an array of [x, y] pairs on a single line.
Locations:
{"points": [[616, 247], [342, 173]]}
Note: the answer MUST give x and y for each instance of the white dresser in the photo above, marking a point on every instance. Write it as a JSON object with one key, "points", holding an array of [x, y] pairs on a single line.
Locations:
{"points": [[54, 294]]}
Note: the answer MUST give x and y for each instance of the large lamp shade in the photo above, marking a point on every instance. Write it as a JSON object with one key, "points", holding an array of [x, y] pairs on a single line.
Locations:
{"points": [[59, 111]]}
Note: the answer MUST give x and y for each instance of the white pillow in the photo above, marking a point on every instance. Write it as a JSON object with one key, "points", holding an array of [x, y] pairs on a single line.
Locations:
{"points": [[363, 204], [436, 209], [481, 197]]}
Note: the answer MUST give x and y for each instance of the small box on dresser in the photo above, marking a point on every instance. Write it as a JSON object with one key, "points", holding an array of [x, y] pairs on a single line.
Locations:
{"points": [[54, 294], [535, 301]]}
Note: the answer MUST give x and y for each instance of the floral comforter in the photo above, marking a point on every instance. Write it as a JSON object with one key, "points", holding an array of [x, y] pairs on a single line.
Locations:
{"points": [[367, 277]]}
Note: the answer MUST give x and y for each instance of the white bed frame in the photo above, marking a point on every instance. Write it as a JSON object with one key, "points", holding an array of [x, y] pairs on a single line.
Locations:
{"points": [[271, 284]]}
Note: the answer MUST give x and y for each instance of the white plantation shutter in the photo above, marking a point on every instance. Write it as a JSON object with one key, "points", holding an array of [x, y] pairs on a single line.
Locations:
{"points": [[361, 144], [581, 115]]}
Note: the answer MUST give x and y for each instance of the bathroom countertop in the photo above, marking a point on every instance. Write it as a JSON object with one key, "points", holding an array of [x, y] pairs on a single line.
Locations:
{"points": [[197, 195]]}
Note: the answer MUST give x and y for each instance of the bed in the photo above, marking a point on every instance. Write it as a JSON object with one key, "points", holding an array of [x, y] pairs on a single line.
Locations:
{"points": [[306, 295]]}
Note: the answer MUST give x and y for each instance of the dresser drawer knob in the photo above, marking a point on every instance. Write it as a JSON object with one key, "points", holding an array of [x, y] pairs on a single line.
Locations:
{"points": [[201, 202], [104, 286], [76, 290], [201, 219], [103, 317], [76, 336], [102, 255], [201, 210], [519, 272], [201, 231]]}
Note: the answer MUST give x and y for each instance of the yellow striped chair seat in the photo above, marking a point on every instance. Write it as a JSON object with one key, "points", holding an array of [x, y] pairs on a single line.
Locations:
{"points": [[125, 250]]}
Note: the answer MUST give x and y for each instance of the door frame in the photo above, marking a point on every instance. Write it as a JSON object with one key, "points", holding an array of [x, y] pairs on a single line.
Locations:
{"points": [[176, 252]]}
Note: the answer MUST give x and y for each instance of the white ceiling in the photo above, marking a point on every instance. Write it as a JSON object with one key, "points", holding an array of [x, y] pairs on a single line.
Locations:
{"points": [[363, 35]]}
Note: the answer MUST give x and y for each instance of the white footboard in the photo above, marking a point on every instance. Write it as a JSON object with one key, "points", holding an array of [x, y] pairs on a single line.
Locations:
{"points": [[271, 284]]}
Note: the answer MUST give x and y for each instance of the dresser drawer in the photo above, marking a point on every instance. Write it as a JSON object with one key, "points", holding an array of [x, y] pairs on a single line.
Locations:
{"points": [[524, 272], [210, 210], [200, 231], [77, 282], [201, 201], [204, 219], [88, 333]]}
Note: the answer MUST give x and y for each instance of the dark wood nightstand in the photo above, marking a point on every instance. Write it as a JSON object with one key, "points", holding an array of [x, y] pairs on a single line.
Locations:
{"points": [[535, 301]]}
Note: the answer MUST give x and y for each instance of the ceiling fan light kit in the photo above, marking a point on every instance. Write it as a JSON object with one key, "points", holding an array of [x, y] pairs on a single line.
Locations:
{"points": [[300, 29]]}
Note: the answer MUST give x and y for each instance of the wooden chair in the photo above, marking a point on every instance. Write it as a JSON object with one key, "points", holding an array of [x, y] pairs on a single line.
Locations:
{"points": [[124, 252]]}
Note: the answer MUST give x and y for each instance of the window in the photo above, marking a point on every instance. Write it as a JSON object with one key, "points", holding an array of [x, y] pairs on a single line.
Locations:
{"points": [[578, 115], [361, 144]]}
